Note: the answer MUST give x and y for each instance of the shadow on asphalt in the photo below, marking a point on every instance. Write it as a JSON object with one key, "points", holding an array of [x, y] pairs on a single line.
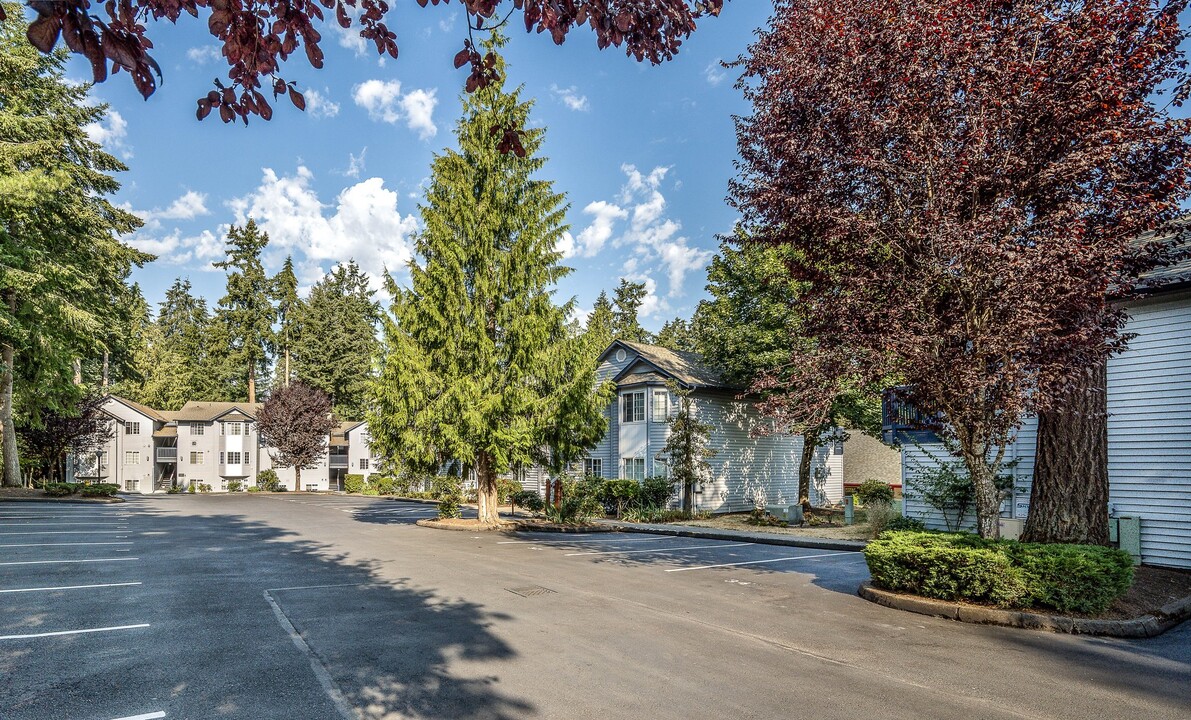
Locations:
{"points": [[388, 646]]}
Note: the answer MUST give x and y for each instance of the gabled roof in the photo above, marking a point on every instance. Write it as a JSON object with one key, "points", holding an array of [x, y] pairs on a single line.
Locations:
{"points": [[687, 368], [194, 411], [142, 409], [1177, 274]]}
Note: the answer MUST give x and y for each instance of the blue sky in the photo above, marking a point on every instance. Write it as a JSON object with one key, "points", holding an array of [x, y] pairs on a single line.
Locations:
{"points": [[643, 153]]}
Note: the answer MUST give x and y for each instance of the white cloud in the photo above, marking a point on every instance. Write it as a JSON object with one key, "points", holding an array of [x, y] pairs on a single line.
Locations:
{"points": [[174, 248], [349, 37], [714, 72], [110, 132], [204, 54], [355, 164], [319, 104], [591, 239], [363, 223], [571, 98], [187, 207], [447, 24], [385, 102]]}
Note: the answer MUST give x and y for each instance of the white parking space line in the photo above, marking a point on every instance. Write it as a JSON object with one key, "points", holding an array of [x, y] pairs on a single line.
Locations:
{"points": [[758, 562], [658, 550], [59, 524], [56, 562], [67, 532], [144, 716], [113, 542], [73, 632], [50, 517], [552, 542], [69, 587]]}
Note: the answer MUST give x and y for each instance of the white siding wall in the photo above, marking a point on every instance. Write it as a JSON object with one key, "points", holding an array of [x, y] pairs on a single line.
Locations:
{"points": [[1149, 436], [131, 477], [359, 449]]}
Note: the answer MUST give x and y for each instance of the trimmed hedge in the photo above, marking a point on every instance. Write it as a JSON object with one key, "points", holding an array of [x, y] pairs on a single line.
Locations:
{"points": [[99, 490], [1005, 573], [60, 489], [353, 483]]}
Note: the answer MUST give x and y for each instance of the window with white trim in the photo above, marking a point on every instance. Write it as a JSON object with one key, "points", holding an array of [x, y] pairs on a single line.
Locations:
{"points": [[197, 428], [221, 457], [632, 468], [632, 407], [196, 458], [660, 409], [234, 458], [363, 463], [593, 467], [132, 457], [233, 428], [132, 428]]}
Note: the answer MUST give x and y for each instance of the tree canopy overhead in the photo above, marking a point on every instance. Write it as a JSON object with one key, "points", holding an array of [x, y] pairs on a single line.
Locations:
{"points": [[258, 36], [962, 182]]}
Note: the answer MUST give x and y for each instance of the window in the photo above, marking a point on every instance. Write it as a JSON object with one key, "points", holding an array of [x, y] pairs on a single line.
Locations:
{"points": [[197, 429], [661, 406], [233, 428], [620, 356], [363, 463], [593, 467], [132, 457], [632, 407], [311, 487], [132, 428], [221, 458], [196, 458], [633, 468], [234, 458], [837, 448]]}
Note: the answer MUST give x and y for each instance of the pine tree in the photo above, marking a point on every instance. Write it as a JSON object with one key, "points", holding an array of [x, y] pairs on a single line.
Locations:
{"points": [[686, 451], [61, 262], [627, 302], [174, 361], [598, 334], [243, 326], [676, 334], [478, 365], [338, 344], [125, 342], [289, 305]]}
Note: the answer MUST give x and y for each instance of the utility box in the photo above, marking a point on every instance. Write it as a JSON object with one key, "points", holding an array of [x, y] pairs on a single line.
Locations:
{"points": [[1011, 529], [1125, 532], [791, 514]]}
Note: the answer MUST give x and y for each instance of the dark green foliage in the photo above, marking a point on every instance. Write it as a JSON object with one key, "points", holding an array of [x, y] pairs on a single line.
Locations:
{"points": [[874, 491], [336, 343], [598, 334], [235, 485], [445, 486], [656, 491], [626, 303], [98, 490], [54, 489], [676, 334], [615, 495], [961, 566], [353, 483], [284, 290], [242, 330], [268, 481], [529, 500], [687, 448], [905, 523], [505, 487], [175, 363]]}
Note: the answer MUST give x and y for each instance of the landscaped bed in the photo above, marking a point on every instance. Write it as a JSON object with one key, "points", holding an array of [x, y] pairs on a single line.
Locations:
{"points": [[533, 524], [18, 494], [740, 521]]}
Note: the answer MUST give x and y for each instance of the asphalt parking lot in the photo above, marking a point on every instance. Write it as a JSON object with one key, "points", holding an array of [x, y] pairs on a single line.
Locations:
{"points": [[328, 607]]}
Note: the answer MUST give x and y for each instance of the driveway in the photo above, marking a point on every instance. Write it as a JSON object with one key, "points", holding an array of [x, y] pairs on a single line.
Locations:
{"points": [[327, 606]]}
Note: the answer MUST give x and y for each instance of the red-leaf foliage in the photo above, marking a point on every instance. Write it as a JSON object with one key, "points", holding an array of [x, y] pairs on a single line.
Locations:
{"points": [[963, 180], [296, 420], [259, 35]]}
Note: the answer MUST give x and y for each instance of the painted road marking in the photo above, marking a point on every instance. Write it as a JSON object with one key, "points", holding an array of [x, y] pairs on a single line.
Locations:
{"points": [[69, 587], [144, 716], [589, 540], [33, 524], [658, 550], [125, 542], [67, 532], [758, 562], [53, 562], [73, 632]]}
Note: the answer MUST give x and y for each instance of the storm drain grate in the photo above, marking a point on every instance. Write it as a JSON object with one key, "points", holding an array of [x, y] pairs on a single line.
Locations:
{"points": [[530, 590]]}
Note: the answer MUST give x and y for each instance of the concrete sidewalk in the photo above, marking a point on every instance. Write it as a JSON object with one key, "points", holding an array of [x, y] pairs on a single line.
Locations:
{"points": [[761, 538]]}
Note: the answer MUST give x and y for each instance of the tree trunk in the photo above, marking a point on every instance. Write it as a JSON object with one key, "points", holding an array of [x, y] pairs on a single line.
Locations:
{"points": [[988, 497], [287, 363], [105, 371], [297, 476], [1069, 498], [252, 383], [810, 440], [486, 494], [688, 496], [12, 465]]}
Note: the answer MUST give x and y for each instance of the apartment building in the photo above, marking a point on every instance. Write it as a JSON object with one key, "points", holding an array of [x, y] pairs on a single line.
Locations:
{"points": [[207, 445]]}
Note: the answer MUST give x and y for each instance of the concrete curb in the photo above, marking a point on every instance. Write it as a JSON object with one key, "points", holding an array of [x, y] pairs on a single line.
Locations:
{"points": [[70, 501], [515, 526], [734, 535], [1146, 626]]}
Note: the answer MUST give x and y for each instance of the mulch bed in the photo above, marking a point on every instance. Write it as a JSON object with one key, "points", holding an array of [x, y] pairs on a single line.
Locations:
{"points": [[473, 525], [1153, 587], [11, 494]]}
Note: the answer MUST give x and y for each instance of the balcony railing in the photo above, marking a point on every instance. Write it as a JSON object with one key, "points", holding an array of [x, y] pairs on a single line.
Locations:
{"points": [[167, 454], [902, 421], [337, 461]]}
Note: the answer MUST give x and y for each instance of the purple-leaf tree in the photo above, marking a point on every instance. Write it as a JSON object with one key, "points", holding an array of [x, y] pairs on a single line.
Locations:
{"points": [[296, 422]]}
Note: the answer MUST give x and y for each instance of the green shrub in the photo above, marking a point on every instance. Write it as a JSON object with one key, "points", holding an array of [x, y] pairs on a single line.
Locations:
{"points": [[874, 491], [662, 515], [616, 495], [190, 488], [353, 483], [961, 566], [763, 518], [99, 490], [505, 489], [905, 523], [385, 484], [529, 500], [580, 501], [59, 489], [656, 491], [446, 486], [253, 488], [448, 507], [268, 481], [204, 487], [235, 485]]}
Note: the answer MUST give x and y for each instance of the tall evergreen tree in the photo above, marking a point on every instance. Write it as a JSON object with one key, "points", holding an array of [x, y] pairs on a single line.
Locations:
{"points": [[174, 361], [478, 365], [124, 342], [243, 325], [676, 334], [598, 333], [338, 343], [626, 303], [61, 261], [285, 293]]}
